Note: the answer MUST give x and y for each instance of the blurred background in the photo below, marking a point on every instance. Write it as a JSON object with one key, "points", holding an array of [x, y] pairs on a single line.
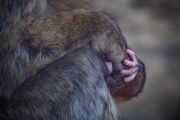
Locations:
{"points": [[152, 30]]}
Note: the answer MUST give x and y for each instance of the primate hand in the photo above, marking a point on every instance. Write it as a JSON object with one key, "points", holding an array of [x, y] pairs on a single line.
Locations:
{"points": [[133, 64], [130, 73]]}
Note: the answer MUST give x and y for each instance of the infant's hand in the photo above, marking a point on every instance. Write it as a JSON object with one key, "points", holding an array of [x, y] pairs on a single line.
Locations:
{"points": [[132, 72]]}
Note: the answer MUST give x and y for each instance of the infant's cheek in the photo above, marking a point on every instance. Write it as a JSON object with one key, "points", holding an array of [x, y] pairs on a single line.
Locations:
{"points": [[109, 66]]}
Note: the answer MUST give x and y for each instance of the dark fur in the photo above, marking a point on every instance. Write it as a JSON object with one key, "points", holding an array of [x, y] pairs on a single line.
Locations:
{"points": [[29, 41], [50, 60], [68, 89]]}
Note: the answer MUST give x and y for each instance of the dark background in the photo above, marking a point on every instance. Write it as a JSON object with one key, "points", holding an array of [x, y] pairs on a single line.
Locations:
{"points": [[152, 29]]}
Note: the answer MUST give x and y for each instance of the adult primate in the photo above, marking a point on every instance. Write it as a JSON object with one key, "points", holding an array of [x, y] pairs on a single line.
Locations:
{"points": [[62, 59]]}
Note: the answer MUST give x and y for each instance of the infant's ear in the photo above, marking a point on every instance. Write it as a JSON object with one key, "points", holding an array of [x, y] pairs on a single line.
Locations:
{"points": [[109, 66]]}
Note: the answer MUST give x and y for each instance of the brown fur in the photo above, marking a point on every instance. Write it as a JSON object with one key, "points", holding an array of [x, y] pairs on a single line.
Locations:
{"points": [[36, 34]]}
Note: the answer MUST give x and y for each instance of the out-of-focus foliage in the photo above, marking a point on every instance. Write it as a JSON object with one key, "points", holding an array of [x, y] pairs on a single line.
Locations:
{"points": [[160, 5]]}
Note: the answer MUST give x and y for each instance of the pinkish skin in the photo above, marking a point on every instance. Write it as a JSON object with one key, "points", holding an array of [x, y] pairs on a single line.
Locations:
{"points": [[132, 72]]}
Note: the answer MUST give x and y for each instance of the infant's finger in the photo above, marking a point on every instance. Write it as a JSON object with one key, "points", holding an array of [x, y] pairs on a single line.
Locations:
{"points": [[129, 71], [130, 63], [130, 78], [132, 55]]}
